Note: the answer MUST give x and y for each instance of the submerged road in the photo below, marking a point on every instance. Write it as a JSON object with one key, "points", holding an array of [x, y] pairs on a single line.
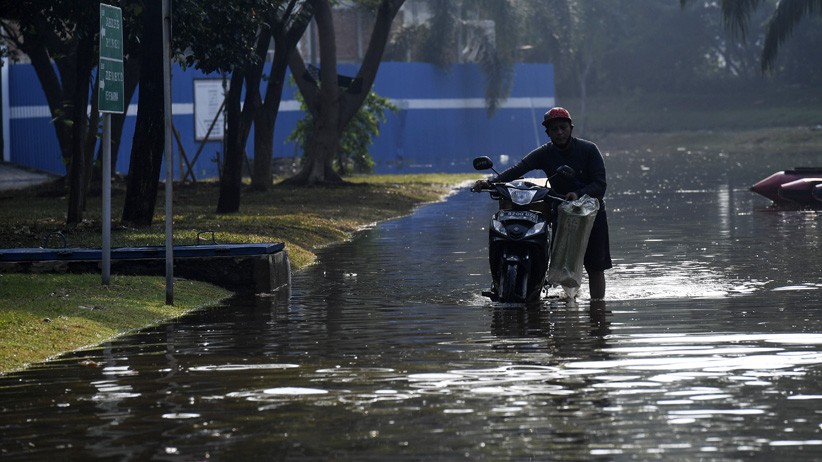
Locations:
{"points": [[707, 346]]}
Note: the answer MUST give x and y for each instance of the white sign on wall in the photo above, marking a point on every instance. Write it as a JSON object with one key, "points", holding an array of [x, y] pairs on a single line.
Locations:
{"points": [[208, 101]]}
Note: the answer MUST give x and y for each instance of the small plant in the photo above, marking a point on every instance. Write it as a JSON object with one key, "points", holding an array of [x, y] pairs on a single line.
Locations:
{"points": [[352, 153]]}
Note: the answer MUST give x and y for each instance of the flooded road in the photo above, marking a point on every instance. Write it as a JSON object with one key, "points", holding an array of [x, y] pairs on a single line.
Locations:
{"points": [[708, 346]]}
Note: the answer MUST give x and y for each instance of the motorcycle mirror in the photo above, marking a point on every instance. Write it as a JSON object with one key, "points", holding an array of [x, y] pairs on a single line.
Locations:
{"points": [[483, 163]]}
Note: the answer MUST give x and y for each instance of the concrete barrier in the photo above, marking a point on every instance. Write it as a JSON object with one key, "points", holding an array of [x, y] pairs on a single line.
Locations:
{"points": [[257, 268]]}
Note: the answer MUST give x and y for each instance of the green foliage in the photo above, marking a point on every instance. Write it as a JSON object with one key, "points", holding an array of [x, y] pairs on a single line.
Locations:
{"points": [[352, 153], [219, 36], [738, 16], [487, 32], [621, 46]]}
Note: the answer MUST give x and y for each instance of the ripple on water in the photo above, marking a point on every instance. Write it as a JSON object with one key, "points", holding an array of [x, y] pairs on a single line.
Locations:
{"points": [[180, 415], [294, 391], [685, 280], [795, 288], [698, 357], [682, 353], [241, 367]]}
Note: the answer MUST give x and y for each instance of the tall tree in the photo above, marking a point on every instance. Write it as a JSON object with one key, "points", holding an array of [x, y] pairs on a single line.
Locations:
{"points": [[288, 24], [780, 27], [580, 35], [234, 37], [238, 127], [60, 39], [146, 159], [487, 32], [331, 106]]}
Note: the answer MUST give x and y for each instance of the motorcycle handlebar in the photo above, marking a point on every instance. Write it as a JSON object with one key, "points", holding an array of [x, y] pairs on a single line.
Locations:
{"points": [[492, 190]]}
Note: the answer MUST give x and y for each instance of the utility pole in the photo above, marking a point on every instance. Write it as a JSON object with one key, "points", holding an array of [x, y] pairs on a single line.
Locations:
{"points": [[168, 153]]}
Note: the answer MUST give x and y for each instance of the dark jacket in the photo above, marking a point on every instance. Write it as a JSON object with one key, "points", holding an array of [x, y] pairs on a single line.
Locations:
{"points": [[582, 156]]}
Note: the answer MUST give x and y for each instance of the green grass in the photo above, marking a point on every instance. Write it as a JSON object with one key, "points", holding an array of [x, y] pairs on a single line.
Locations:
{"points": [[42, 315], [303, 218]]}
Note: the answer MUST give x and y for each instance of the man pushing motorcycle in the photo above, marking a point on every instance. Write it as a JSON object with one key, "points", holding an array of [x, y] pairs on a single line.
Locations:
{"points": [[589, 167]]}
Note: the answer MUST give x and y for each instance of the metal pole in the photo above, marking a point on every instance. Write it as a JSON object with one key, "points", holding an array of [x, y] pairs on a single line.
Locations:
{"points": [[106, 198], [6, 107], [168, 153]]}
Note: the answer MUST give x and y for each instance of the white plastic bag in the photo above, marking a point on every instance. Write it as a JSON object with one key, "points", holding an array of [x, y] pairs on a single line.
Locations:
{"points": [[574, 222]]}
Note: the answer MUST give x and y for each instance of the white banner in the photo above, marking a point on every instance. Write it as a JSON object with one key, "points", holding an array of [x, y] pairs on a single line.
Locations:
{"points": [[208, 101]]}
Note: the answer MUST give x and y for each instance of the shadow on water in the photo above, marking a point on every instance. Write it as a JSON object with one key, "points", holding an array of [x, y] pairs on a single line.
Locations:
{"points": [[707, 346]]}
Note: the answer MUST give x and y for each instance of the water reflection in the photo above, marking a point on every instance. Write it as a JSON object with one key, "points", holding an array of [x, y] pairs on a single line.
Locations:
{"points": [[707, 346]]}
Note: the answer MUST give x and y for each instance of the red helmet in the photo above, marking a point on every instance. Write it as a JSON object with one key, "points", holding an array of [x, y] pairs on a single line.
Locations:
{"points": [[556, 113]]}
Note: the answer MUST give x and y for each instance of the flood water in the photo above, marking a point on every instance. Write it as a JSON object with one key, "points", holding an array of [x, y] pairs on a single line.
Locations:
{"points": [[708, 346]]}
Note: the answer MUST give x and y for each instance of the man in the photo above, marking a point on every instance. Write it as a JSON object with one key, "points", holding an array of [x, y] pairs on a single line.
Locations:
{"points": [[586, 160]]}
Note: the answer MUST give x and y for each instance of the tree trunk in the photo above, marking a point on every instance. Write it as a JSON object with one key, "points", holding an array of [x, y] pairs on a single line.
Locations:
{"points": [[583, 95], [266, 119], [80, 96], [263, 174], [285, 39], [232, 178], [323, 104], [239, 122], [91, 138], [317, 167], [331, 108], [149, 134]]}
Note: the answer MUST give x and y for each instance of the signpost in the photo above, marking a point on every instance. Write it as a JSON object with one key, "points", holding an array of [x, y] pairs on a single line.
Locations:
{"points": [[112, 78], [111, 99]]}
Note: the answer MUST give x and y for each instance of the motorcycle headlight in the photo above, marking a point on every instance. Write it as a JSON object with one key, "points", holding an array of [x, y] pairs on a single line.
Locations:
{"points": [[536, 229], [497, 225], [521, 196]]}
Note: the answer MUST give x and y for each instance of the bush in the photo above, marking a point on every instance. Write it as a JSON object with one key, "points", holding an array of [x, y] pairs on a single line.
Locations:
{"points": [[352, 153]]}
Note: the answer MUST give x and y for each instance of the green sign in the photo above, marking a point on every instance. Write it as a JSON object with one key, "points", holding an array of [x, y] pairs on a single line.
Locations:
{"points": [[111, 95]]}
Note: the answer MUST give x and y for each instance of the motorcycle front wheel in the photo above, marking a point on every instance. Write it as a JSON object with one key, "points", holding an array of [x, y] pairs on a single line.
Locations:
{"points": [[508, 285]]}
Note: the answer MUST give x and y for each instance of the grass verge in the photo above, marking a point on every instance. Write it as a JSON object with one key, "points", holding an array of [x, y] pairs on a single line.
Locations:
{"points": [[42, 315], [46, 314]]}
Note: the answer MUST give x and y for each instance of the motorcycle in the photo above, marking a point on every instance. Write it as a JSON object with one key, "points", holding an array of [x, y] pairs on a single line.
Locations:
{"points": [[519, 237]]}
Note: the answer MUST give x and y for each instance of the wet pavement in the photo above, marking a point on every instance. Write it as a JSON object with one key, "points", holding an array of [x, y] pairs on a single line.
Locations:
{"points": [[13, 176], [708, 347]]}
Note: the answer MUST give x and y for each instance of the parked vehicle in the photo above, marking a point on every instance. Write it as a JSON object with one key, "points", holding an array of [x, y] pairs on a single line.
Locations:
{"points": [[796, 187], [519, 236]]}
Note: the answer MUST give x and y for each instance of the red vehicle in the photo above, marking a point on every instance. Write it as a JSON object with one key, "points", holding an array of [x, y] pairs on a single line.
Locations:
{"points": [[797, 187]]}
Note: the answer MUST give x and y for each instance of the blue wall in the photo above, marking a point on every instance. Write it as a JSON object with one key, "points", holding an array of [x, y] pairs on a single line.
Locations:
{"points": [[442, 123]]}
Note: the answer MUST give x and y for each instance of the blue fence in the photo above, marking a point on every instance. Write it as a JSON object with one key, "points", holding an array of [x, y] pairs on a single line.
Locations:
{"points": [[441, 125]]}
